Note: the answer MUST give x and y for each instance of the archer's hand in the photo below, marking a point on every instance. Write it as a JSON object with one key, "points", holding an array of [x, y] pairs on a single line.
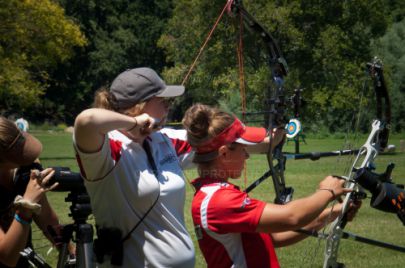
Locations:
{"points": [[335, 185], [278, 136], [353, 208], [143, 127]]}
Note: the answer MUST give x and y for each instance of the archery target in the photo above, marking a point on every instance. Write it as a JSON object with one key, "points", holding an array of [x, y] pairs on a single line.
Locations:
{"points": [[293, 128], [22, 124]]}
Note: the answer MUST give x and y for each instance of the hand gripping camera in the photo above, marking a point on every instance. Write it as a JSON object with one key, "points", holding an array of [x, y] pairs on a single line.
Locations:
{"points": [[80, 209]]}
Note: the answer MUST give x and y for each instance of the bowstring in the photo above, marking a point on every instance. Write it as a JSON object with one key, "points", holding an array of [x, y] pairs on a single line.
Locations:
{"points": [[207, 39], [242, 81], [351, 142], [242, 85]]}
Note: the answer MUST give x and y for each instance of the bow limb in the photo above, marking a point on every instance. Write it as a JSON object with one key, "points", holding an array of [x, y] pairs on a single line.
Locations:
{"points": [[275, 157], [383, 103], [276, 102]]}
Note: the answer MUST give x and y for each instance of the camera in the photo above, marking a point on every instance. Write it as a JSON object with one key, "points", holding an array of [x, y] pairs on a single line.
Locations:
{"points": [[68, 181], [80, 209], [385, 194], [72, 182]]}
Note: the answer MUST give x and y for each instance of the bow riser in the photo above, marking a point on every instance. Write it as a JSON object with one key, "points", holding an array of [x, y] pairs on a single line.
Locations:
{"points": [[368, 152]]}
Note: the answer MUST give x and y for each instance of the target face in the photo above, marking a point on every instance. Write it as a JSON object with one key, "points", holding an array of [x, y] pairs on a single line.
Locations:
{"points": [[293, 128], [22, 124]]}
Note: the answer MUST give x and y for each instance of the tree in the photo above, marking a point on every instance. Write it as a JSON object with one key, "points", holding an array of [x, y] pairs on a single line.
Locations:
{"points": [[34, 37], [326, 44], [122, 34], [391, 50]]}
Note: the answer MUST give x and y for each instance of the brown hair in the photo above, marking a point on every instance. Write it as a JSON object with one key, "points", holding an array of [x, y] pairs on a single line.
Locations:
{"points": [[105, 100], [8, 133], [203, 123], [17, 147]]}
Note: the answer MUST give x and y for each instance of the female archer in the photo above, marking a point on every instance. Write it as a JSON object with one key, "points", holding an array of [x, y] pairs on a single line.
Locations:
{"points": [[234, 230]]}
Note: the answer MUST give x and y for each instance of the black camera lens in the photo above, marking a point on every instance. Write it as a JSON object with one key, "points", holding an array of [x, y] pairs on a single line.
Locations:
{"points": [[68, 180]]}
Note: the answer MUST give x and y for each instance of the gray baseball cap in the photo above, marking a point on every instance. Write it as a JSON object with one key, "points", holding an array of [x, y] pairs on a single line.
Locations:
{"points": [[140, 84]]}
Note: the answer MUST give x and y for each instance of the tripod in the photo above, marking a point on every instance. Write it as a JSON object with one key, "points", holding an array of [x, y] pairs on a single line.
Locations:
{"points": [[294, 125], [80, 210], [33, 258]]}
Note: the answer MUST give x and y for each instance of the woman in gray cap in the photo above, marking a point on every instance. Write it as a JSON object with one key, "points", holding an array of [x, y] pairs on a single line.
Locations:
{"points": [[133, 174], [22, 196]]}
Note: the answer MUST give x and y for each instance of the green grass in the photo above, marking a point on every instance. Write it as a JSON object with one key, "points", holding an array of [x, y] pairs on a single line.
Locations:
{"points": [[302, 175]]}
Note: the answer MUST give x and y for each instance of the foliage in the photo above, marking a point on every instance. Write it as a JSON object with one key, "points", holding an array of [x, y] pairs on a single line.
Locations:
{"points": [[34, 37], [325, 43], [122, 34], [392, 51], [47, 73]]}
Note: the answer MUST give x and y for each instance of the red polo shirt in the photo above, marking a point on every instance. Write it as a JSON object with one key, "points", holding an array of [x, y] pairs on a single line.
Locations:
{"points": [[225, 221]]}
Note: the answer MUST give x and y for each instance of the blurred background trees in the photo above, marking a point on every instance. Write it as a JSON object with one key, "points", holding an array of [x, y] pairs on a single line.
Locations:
{"points": [[55, 55], [35, 36]]}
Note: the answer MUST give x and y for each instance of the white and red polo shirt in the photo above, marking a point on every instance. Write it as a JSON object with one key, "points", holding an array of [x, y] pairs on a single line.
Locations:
{"points": [[123, 187], [225, 221]]}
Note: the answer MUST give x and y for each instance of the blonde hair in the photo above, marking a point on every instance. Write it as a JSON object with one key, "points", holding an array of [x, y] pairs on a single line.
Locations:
{"points": [[105, 100]]}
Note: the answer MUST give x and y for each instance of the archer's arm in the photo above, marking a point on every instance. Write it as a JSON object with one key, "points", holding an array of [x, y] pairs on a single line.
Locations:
{"points": [[92, 125], [283, 239], [327, 216], [301, 212]]}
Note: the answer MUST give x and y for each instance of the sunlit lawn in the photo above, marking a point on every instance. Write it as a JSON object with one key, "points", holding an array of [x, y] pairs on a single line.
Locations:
{"points": [[302, 175]]}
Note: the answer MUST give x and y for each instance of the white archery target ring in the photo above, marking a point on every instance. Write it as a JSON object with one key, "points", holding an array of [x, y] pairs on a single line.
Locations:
{"points": [[293, 128]]}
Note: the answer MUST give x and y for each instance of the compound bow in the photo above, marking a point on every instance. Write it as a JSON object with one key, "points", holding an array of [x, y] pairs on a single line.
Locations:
{"points": [[377, 141], [276, 101]]}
